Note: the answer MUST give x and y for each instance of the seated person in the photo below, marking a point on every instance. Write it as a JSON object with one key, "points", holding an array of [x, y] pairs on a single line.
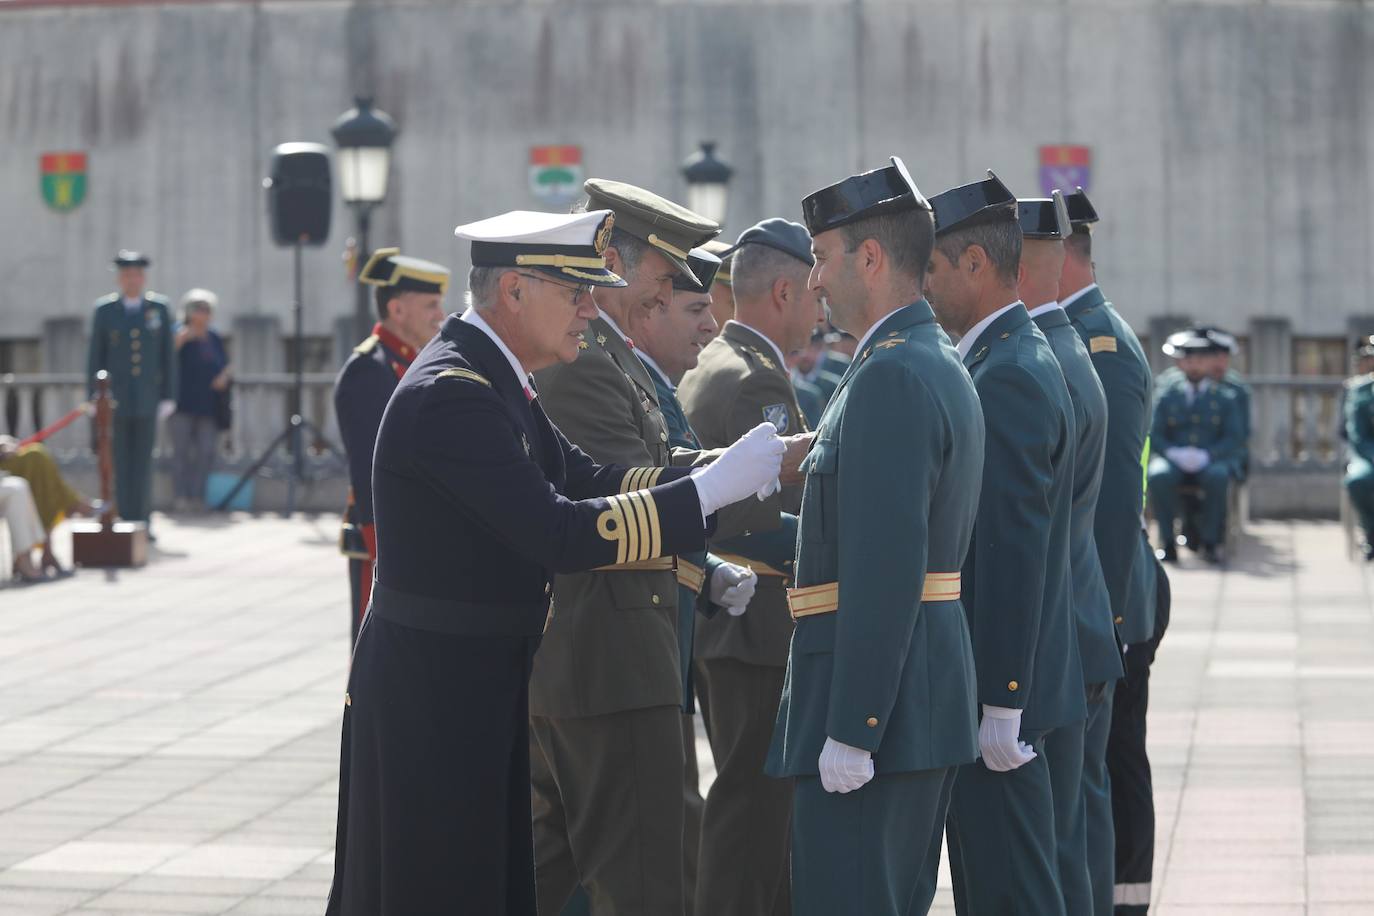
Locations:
{"points": [[1197, 439], [51, 494], [1358, 431], [19, 514]]}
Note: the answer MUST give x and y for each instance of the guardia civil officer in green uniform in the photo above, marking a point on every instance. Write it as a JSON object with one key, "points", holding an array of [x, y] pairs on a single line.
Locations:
{"points": [[878, 706], [1044, 226], [742, 379], [409, 293], [1358, 418], [1116, 771], [132, 339], [479, 501], [669, 341], [1197, 438], [1017, 583], [606, 692]]}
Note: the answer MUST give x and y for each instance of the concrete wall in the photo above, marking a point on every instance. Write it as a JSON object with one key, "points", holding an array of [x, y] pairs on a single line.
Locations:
{"points": [[1232, 141]]}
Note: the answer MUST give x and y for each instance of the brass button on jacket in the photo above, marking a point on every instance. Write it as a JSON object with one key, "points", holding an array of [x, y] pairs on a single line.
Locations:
{"points": [[872, 721], [1013, 686]]}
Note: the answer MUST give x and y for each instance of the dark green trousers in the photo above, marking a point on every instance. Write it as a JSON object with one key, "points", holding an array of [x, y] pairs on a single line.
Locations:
{"points": [[692, 808], [133, 466], [1001, 839], [608, 811], [1359, 482], [745, 825], [1097, 804], [871, 852], [1064, 752], [1165, 480]]}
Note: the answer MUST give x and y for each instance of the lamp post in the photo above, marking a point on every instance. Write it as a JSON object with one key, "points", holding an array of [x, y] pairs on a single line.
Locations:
{"points": [[364, 136], [707, 181]]}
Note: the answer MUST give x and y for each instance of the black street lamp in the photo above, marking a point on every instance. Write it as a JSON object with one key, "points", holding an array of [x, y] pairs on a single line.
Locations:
{"points": [[364, 136], [707, 181]]}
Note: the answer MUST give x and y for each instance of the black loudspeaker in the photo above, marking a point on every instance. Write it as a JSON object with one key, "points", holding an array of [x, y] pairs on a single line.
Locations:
{"points": [[299, 194]]}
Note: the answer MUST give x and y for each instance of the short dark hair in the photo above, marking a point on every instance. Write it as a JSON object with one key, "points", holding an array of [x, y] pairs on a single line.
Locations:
{"points": [[384, 295], [906, 237], [1080, 243], [1000, 240]]}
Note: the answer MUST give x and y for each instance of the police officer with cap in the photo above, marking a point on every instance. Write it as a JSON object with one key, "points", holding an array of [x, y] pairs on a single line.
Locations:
{"points": [[878, 704], [132, 339], [1017, 579], [741, 379], [1078, 768], [479, 500]]}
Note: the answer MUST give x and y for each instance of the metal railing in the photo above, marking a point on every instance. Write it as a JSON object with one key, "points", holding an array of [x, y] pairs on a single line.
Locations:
{"points": [[262, 405]]}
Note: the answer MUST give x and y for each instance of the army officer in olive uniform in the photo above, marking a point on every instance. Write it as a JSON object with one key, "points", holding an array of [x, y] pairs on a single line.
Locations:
{"points": [[132, 339], [1044, 225], [1017, 582], [741, 379], [606, 693], [479, 500], [877, 709]]}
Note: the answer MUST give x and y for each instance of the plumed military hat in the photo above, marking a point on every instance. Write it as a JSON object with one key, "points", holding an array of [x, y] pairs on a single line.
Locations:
{"points": [[1044, 217], [127, 258], [571, 246], [704, 267], [388, 267], [886, 190], [986, 201], [669, 228], [726, 254], [1082, 214], [781, 234]]}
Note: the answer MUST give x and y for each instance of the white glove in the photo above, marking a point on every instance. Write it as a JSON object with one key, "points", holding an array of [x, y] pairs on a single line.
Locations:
{"points": [[999, 741], [732, 586], [844, 768], [1201, 458], [1177, 455], [165, 409], [751, 465]]}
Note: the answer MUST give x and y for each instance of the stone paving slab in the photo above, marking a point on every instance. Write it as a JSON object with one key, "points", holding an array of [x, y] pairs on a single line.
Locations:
{"points": [[169, 736]]}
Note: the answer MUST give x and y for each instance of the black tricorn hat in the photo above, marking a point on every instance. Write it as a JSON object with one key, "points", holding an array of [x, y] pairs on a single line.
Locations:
{"points": [[1044, 217], [1081, 210], [885, 190], [986, 201], [703, 265]]}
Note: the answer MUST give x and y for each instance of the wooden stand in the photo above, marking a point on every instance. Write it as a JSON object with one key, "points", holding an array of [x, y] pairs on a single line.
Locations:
{"points": [[108, 542]]}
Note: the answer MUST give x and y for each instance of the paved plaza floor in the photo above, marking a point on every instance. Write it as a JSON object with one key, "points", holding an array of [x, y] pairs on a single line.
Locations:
{"points": [[169, 736]]}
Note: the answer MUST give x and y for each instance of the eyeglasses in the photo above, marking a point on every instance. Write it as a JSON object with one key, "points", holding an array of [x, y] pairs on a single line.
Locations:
{"points": [[578, 291]]}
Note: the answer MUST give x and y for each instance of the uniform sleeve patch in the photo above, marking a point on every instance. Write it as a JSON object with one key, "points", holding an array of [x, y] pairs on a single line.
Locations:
{"points": [[777, 415], [464, 374], [1102, 345]]}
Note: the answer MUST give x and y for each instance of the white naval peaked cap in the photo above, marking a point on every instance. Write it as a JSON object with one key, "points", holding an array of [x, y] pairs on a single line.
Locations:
{"points": [[569, 245]]}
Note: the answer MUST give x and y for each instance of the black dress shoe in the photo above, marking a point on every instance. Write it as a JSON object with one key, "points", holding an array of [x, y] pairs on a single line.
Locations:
{"points": [[1168, 554]]}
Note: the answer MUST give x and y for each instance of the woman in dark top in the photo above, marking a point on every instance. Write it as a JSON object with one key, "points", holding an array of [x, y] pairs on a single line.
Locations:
{"points": [[202, 380]]}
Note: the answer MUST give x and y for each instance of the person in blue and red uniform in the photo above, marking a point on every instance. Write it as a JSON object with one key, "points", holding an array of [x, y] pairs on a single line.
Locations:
{"points": [[479, 501], [410, 295]]}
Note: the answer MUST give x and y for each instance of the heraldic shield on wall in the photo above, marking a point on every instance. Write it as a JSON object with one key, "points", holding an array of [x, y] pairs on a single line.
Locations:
{"points": [[62, 177]]}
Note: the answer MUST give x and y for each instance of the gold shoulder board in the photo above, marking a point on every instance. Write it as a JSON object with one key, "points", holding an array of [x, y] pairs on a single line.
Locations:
{"points": [[366, 346], [464, 374], [1102, 345]]}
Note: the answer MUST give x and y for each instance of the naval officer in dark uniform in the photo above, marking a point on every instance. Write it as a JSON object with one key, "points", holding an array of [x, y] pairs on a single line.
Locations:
{"points": [[131, 338], [1017, 581], [410, 295], [479, 500]]}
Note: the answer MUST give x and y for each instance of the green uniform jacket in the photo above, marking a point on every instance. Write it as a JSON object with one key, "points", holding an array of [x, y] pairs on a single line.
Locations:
{"points": [[891, 493], [1092, 607], [136, 348], [810, 398], [611, 644], [1212, 422], [1124, 371], [738, 384], [1017, 581], [1359, 416]]}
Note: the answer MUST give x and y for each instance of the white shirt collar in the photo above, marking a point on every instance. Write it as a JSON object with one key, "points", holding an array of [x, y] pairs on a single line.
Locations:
{"points": [[1042, 309], [782, 360], [968, 340], [1069, 300], [655, 367], [474, 318], [131, 304], [611, 321]]}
